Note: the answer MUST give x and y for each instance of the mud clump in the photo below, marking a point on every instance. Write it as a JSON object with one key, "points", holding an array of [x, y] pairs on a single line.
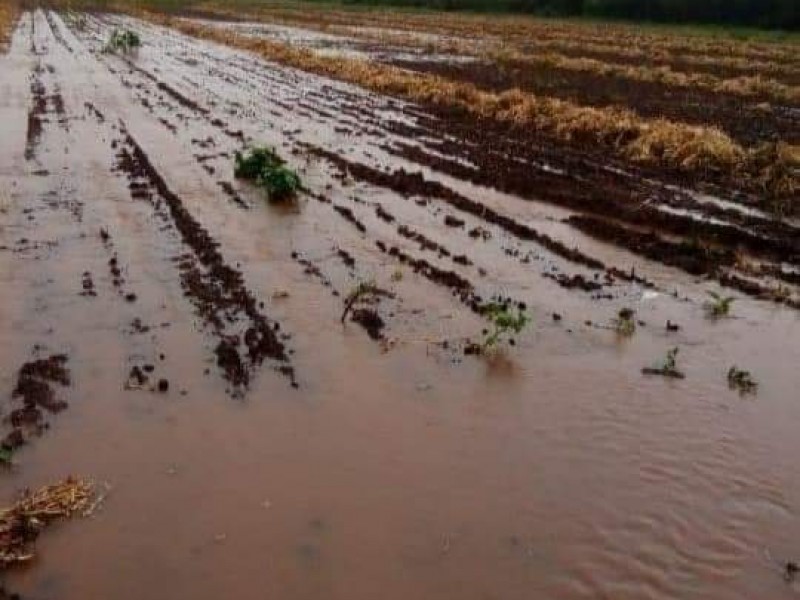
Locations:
{"points": [[229, 190], [229, 360], [37, 110], [87, 285], [576, 281], [346, 257], [136, 378], [176, 95], [383, 215], [370, 320], [349, 216], [33, 393]]}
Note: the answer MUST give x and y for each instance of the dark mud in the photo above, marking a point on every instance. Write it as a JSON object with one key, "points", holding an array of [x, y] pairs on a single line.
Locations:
{"points": [[217, 290], [36, 114], [694, 258], [504, 166], [371, 321], [741, 117], [582, 183], [372, 437], [33, 396], [414, 184]]}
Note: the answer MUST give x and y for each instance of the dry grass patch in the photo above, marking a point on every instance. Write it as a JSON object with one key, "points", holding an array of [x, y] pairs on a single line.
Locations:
{"points": [[524, 29], [9, 12], [546, 41], [21, 523], [748, 86]]}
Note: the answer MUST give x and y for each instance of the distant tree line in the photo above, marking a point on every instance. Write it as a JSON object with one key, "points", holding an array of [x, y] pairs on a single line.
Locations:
{"points": [[773, 14]]}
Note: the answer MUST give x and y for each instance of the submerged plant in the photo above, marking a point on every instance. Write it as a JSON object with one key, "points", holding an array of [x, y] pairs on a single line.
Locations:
{"points": [[6, 455], [365, 291], [123, 42], [269, 171], [719, 306], [504, 322], [741, 380], [624, 324], [668, 367]]}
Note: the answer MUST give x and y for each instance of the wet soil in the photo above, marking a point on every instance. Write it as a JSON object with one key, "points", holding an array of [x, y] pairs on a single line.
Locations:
{"points": [[400, 466], [741, 117], [33, 394]]}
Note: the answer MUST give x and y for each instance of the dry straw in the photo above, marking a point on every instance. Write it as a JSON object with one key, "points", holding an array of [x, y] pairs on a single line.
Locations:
{"points": [[21, 523], [693, 149], [9, 11]]}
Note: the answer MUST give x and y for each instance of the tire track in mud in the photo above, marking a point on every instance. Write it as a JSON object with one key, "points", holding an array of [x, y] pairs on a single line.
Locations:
{"points": [[217, 290]]}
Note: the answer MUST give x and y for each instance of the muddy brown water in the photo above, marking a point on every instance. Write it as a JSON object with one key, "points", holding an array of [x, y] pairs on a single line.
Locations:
{"points": [[558, 471]]}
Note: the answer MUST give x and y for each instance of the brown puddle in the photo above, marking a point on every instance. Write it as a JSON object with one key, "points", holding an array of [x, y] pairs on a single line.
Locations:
{"points": [[396, 469]]}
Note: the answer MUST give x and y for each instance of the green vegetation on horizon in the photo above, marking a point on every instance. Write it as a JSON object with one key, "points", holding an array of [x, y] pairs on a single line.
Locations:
{"points": [[736, 18], [774, 14]]}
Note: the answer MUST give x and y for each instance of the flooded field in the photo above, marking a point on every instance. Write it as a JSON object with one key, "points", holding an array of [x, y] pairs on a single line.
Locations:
{"points": [[170, 334]]}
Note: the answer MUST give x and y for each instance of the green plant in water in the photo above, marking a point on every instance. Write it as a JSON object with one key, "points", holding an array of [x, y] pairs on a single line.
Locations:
{"points": [[741, 380], [364, 291], [6, 455], [123, 42], [719, 306], [624, 323], [668, 367], [269, 171], [504, 323]]}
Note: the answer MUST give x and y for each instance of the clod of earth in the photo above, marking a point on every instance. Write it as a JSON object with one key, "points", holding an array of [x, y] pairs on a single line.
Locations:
{"points": [[370, 320], [741, 380], [33, 390]]}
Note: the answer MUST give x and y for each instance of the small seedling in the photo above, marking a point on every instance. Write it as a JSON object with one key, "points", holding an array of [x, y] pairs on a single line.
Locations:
{"points": [[741, 380], [719, 306], [668, 367], [624, 324], [269, 171], [6, 456], [124, 42], [504, 323]]}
